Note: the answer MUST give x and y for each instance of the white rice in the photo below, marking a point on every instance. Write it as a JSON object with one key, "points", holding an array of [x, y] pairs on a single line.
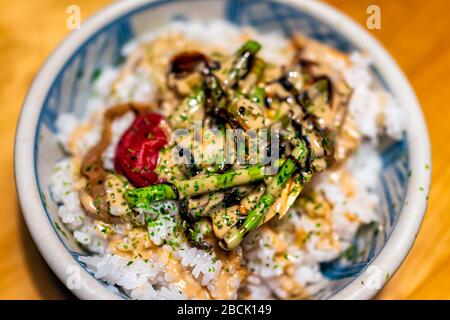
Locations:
{"points": [[136, 87], [219, 33], [205, 265], [374, 111], [138, 279], [370, 105], [64, 192]]}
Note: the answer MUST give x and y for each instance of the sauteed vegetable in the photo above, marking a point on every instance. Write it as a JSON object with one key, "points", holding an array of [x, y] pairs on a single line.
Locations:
{"points": [[240, 91]]}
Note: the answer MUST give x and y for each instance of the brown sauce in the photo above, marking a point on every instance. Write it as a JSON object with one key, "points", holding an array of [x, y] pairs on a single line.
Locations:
{"points": [[138, 244], [94, 194]]}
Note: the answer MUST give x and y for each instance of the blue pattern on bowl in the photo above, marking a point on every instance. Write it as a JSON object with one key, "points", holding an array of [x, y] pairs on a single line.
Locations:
{"points": [[69, 93]]}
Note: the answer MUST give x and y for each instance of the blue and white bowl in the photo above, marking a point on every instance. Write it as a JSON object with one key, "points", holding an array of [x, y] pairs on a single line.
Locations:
{"points": [[63, 83]]}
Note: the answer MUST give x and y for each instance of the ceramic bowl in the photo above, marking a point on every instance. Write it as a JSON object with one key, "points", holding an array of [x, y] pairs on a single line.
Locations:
{"points": [[62, 85]]}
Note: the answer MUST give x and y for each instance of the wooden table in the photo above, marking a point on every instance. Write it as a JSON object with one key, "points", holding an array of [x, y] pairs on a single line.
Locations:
{"points": [[414, 31]]}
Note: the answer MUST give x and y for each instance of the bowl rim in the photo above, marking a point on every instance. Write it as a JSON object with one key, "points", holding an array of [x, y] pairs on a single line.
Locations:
{"points": [[86, 286]]}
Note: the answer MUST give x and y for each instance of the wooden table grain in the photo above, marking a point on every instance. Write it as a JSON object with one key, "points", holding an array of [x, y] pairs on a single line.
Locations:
{"points": [[414, 31]]}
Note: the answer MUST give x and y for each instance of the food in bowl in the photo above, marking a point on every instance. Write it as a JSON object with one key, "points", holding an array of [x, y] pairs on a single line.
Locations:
{"points": [[220, 163]]}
